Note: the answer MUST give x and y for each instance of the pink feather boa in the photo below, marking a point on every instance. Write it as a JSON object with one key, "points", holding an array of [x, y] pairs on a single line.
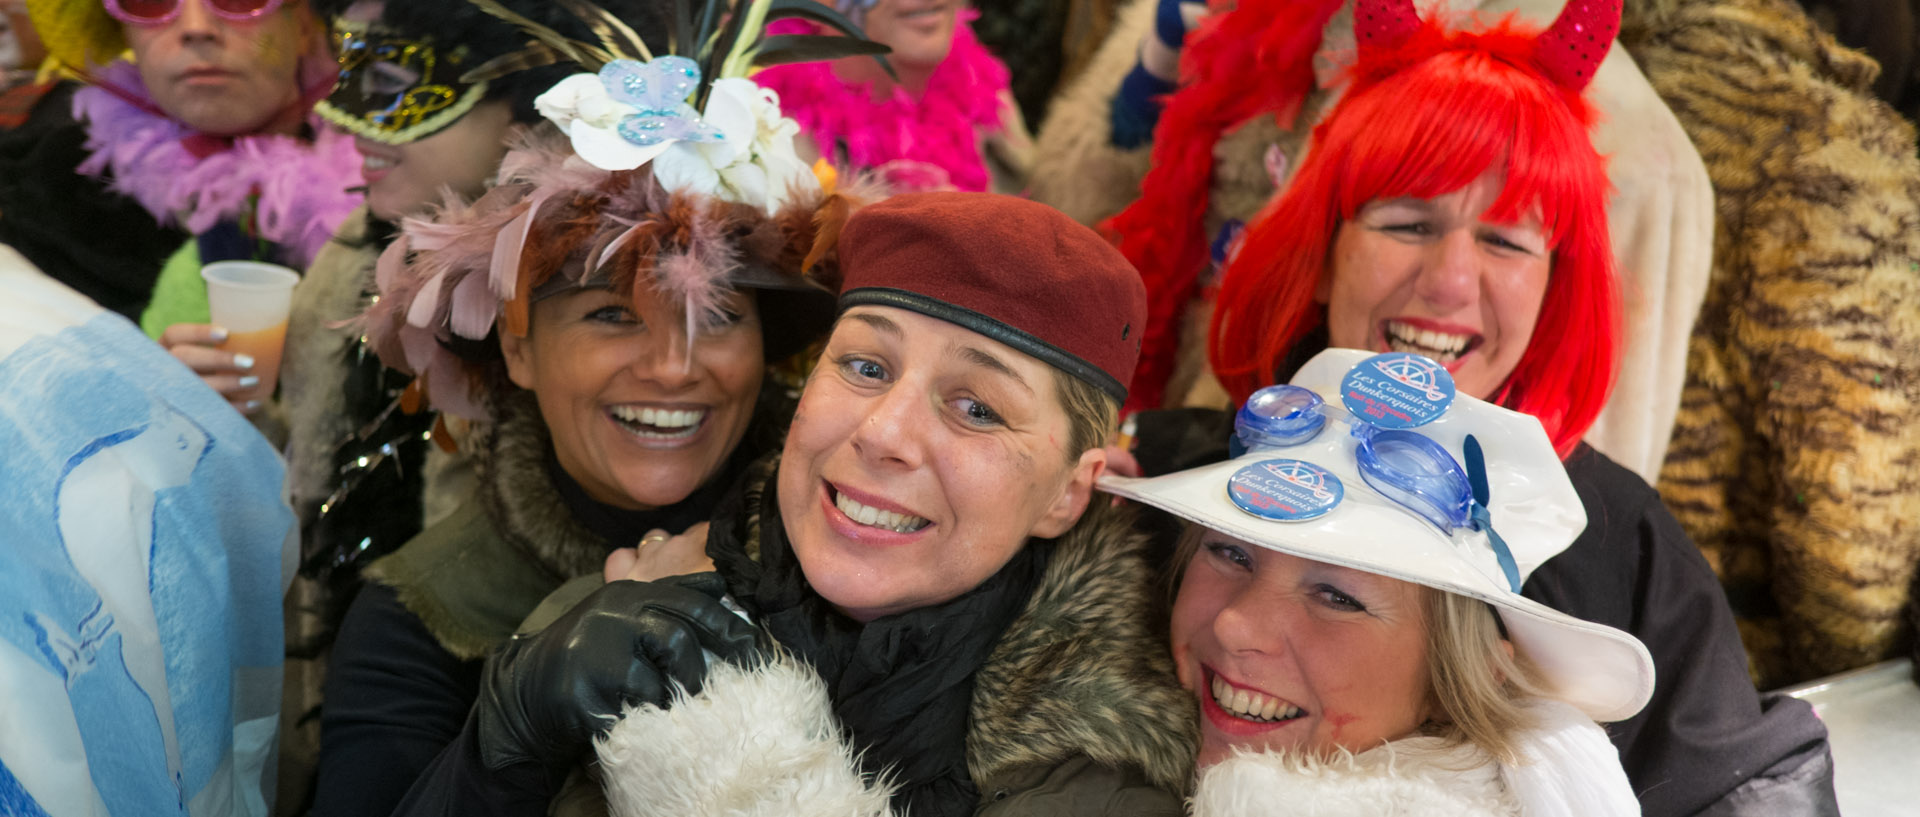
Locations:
{"points": [[941, 129], [302, 187]]}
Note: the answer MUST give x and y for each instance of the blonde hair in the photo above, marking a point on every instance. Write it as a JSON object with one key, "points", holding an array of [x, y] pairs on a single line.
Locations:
{"points": [[1475, 683]]}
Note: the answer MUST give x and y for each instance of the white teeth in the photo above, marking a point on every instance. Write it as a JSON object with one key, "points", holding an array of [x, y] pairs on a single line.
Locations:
{"points": [[1441, 346], [376, 162], [660, 423], [874, 517], [1250, 705]]}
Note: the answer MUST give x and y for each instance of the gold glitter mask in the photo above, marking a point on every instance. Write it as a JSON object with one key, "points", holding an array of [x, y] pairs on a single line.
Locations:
{"points": [[396, 89]]}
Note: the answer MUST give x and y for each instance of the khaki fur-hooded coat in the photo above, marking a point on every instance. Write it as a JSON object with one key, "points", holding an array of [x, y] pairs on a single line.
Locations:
{"points": [[1075, 712], [1795, 463], [1661, 214]]}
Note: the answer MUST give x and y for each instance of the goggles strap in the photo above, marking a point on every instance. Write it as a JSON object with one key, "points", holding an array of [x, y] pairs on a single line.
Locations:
{"points": [[1483, 522], [1483, 518]]}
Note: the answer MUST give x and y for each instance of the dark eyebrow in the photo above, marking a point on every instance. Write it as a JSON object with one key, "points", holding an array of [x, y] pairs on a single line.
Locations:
{"points": [[984, 359], [880, 323]]}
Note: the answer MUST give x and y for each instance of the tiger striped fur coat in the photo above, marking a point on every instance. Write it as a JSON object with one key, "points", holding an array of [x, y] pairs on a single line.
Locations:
{"points": [[1795, 461]]}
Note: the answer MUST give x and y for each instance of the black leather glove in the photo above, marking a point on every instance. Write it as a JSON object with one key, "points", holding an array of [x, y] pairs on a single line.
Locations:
{"points": [[545, 695]]}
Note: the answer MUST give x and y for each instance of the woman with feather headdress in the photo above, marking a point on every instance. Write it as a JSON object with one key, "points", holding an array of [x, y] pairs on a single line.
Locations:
{"points": [[363, 477], [603, 313]]}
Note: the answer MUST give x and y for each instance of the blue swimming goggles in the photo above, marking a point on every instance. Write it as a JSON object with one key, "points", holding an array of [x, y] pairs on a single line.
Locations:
{"points": [[1405, 466]]}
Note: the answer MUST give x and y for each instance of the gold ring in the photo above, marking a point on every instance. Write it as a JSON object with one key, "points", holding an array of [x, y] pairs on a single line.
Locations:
{"points": [[650, 539]]}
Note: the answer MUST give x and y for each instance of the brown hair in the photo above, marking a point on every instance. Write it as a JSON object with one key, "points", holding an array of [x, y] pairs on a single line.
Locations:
{"points": [[1092, 414]]}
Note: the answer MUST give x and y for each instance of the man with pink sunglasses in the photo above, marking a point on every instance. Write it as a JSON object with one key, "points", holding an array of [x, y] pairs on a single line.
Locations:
{"points": [[188, 135]]}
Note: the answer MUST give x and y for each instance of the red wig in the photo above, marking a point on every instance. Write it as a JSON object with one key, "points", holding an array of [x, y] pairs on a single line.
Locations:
{"points": [[1254, 58], [1421, 120]]}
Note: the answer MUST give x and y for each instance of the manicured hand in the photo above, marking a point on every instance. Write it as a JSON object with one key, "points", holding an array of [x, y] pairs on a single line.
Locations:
{"points": [[230, 374]]}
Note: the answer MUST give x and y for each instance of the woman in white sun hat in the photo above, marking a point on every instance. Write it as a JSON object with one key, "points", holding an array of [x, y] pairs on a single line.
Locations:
{"points": [[1349, 618]]}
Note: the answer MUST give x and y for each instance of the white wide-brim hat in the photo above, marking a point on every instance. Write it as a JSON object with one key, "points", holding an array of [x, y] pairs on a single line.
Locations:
{"points": [[1604, 672]]}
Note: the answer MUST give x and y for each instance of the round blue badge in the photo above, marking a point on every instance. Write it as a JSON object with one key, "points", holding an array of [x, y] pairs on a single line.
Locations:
{"points": [[1285, 490], [1397, 390]]}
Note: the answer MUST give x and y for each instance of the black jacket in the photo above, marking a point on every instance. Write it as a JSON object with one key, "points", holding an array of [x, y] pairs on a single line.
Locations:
{"points": [[1706, 743], [406, 665], [103, 244]]}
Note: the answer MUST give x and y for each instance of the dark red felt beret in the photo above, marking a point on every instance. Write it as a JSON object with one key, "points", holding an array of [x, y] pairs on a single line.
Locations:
{"points": [[1016, 271]]}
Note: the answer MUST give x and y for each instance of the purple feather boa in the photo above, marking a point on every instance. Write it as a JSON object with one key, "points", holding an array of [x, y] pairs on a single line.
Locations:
{"points": [[940, 131], [302, 187]]}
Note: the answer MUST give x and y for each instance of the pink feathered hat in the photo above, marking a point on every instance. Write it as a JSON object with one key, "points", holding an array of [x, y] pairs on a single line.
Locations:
{"points": [[554, 222]]}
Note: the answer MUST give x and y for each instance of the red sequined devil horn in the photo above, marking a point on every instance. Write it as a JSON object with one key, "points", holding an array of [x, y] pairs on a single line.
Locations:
{"points": [[1571, 50], [1384, 24]]}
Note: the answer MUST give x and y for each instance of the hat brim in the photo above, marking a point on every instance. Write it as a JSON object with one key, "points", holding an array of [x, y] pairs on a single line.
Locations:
{"points": [[793, 313]]}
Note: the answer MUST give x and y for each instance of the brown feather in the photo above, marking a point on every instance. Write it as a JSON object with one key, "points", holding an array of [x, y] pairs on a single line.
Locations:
{"points": [[536, 55], [828, 221], [573, 49], [619, 39]]}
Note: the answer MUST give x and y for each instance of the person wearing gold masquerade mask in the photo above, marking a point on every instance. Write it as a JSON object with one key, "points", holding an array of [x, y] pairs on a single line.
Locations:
{"points": [[363, 477]]}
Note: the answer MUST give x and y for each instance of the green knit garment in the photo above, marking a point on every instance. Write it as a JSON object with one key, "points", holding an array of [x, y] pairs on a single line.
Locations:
{"points": [[179, 296]]}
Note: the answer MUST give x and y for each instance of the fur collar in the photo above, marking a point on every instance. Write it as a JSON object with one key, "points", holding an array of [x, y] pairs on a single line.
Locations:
{"points": [[1083, 672], [294, 191], [1567, 768], [1415, 776], [517, 490], [313, 371]]}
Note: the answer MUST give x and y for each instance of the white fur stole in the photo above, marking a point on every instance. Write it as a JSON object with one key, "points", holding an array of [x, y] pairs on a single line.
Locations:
{"points": [[758, 741]]}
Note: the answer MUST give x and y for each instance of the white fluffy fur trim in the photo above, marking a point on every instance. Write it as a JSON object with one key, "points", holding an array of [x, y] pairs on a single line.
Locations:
{"points": [[1407, 777], [1570, 768], [760, 741]]}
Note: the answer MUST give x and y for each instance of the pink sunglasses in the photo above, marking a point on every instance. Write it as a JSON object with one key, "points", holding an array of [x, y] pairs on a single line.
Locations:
{"points": [[162, 12]]}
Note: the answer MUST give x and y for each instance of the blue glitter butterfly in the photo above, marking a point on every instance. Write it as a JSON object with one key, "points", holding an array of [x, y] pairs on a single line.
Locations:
{"points": [[659, 90]]}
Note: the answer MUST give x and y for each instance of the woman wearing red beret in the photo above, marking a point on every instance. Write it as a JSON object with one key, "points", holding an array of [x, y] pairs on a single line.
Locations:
{"points": [[949, 624]]}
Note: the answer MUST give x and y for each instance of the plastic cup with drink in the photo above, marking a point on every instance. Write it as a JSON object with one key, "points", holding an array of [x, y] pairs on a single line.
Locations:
{"points": [[251, 299]]}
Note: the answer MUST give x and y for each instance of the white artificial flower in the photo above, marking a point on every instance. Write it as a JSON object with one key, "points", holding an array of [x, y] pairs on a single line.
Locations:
{"points": [[757, 162], [754, 161], [582, 97]]}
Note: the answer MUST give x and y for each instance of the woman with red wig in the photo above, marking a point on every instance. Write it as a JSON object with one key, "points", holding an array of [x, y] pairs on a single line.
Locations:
{"points": [[1452, 205], [1241, 91]]}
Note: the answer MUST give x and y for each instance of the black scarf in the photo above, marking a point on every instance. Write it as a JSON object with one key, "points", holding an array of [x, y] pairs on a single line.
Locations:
{"points": [[621, 527], [901, 685]]}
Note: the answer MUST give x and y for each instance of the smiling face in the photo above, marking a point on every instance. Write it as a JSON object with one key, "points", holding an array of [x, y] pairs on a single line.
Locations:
{"points": [[922, 457], [920, 32], [223, 76], [403, 179], [634, 420], [1287, 653], [1435, 277]]}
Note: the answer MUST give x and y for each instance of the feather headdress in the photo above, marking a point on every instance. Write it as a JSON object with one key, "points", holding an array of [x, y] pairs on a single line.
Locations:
{"points": [[632, 186]]}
